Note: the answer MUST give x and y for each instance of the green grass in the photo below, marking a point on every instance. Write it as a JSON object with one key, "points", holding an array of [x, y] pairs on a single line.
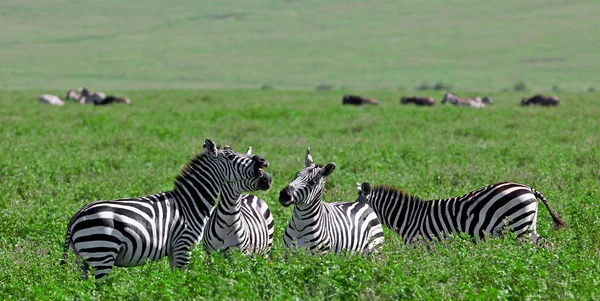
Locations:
{"points": [[55, 159], [471, 45]]}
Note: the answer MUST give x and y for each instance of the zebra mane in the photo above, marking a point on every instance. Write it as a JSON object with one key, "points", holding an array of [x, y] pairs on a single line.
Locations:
{"points": [[188, 167], [394, 190]]}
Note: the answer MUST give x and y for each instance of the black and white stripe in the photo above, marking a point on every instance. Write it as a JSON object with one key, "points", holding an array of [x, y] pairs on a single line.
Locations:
{"points": [[241, 221], [320, 227], [484, 211], [128, 232], [474, 102]]}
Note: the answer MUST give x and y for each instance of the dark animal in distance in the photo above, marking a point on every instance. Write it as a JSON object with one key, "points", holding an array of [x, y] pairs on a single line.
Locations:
{"points": [[112, 99], [358, 100], [90, 97], [418, 100], [541, 100]]}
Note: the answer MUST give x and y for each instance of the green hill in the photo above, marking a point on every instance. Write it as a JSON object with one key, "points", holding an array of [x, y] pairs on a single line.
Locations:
{"points": [[471, 45]]}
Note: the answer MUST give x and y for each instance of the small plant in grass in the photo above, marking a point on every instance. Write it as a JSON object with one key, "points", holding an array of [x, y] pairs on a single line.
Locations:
{"points": [[266, 87], [520, 86], [424, 86], [591, 89], [324, 87], [440, 86], [555, 88]]}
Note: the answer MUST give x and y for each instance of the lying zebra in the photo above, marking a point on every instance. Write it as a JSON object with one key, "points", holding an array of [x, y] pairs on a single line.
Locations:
{"points": [[241, 221], [129, 232], [474, 102], [484, 211], [320, 227]]}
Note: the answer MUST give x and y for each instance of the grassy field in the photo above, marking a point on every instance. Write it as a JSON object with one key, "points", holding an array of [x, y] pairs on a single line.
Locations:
{"points": [[383, 44], [55, 159]]}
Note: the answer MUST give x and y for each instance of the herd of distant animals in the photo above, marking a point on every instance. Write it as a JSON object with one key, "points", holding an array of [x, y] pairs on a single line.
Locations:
{"points": [[83, 96], [129, 232], [474, 102]]}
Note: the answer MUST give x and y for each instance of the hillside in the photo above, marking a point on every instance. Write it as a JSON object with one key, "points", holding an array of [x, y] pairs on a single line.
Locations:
{"points": [[298, 44]]}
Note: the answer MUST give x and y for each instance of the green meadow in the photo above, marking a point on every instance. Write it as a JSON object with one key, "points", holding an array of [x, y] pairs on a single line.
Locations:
{"points": [[245, 73], [299, 44], [55, 159]]}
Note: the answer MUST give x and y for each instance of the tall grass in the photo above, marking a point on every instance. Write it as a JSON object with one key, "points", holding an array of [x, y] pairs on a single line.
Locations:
{"points": [[55, 159]]}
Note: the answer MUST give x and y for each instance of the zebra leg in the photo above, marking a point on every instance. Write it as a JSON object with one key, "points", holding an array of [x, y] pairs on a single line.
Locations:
{"points": [[179, 258], [84, 268]]}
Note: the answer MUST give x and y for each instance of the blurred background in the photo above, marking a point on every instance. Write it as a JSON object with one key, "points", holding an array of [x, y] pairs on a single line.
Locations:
{"points": [[300, 44]]}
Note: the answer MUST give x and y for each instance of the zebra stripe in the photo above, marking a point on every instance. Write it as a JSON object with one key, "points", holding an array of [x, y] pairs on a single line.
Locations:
{"points": [[321, 227], [241, 221], [129, 232], [475, 102], [487, 210]]}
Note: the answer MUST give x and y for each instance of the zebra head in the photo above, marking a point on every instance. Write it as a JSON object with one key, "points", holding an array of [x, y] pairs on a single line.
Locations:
{"points": [[232, 166], [73, 95], [263, 182], [308, 184]]}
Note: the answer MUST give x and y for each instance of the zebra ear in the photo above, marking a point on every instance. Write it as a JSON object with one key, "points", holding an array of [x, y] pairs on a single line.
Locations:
{"points": [[308, 161], [328, 169], [209, 147], [366, 188], [249, 151], [227, 147]]}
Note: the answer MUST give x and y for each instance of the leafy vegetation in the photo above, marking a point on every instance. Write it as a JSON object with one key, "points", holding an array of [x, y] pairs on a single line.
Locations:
{"points": [[55, 159]]}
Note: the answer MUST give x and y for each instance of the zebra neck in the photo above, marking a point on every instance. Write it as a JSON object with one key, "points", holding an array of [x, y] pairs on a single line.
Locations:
{"points": [[230, 202], [310, 212], [197, 192]]}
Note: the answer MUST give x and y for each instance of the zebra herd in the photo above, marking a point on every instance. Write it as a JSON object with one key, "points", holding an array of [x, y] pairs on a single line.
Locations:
{"points": [[132, 231]]}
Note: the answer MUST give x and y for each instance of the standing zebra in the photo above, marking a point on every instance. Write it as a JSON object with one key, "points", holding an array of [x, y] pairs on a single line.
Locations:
{"points": [[128, 232], [484, 211], [321, 227], [241, 221]]}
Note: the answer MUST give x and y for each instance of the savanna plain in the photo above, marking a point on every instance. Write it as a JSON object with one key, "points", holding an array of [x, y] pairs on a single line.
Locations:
{"points": [[55, 159], [194, 69]]}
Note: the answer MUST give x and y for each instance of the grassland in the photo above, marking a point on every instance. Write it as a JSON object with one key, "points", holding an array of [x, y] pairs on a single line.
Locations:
{"points": [[55, 159], [383, 44]]}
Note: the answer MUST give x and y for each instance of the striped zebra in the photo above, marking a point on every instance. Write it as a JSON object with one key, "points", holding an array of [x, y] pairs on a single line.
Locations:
{"points": [[322, 227], [484, 211], [474, 102], [241, 221], [129, 232]]}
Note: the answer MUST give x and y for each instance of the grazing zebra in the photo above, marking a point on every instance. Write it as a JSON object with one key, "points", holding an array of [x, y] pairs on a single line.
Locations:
{"points": [[128, 232], [475, 102], [241, 221], [484, 211], [50, 100], [320, 227]]}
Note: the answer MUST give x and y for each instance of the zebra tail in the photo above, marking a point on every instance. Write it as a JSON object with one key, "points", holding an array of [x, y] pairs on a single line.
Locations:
{"points": [[68, 237], [558, 222]]}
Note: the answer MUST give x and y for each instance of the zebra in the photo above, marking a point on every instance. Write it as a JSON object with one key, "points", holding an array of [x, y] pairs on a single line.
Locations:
{"points": [[129, 232], [320, 227], [50, 99], [241, 221], [487, 210], [90, 97], [475, 102]]}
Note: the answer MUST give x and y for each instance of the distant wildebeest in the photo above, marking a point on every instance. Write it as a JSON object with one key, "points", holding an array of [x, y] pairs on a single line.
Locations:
{"points": [[358, 100], [540, 100], [50, 99], [474, 102], [418, 100], [90, 97], [112, 99]]}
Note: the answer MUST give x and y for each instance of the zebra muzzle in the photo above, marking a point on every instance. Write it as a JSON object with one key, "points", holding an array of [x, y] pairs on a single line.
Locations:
{"points": [[265, 182], [285, 197]]}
